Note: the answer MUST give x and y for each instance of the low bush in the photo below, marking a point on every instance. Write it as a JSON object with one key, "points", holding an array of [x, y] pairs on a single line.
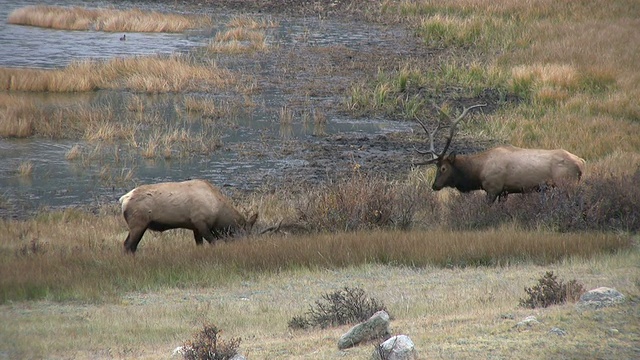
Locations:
{"points": [[207, 345], [599, 203], [551, 291], [364, 202], [345, 306]]}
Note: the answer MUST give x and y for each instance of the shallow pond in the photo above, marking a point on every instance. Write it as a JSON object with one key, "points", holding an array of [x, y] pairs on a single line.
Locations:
{"points": [[257, 146]]}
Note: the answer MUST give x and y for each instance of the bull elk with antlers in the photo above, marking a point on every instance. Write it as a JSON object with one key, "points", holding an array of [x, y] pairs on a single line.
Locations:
{"points": [[501, 170]]}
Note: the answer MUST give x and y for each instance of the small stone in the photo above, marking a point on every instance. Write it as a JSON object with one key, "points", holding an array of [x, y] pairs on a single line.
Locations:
{"points": [[398, 347], [528, 322], [558, 331]]}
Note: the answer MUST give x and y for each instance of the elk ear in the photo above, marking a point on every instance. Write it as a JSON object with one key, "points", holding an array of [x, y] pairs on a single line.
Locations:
{"points": [[252, 220], [452, 157]]}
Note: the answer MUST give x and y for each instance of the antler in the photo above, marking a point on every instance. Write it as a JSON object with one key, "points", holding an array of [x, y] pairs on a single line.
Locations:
{"points": [[452, 129]]}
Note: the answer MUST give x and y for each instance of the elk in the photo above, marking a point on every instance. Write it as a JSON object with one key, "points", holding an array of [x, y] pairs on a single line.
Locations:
{"points": [[194, 204], [500, 170]]}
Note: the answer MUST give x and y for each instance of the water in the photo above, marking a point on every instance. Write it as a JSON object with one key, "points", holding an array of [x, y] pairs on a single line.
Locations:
{"points": [[245, 160], [26, 46]]}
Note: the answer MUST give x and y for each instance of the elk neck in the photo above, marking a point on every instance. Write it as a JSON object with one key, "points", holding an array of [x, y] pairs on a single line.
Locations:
{"points": [[467, 172]]}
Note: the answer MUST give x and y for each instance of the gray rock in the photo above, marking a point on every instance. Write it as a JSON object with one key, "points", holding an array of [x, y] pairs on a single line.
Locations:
{"points": [[398, 347], [599, 298], [528, 322], [558, 331], [376, 327]]}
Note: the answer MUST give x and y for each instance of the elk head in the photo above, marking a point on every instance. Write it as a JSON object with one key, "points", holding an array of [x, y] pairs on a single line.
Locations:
{"points": [[444, 164]]}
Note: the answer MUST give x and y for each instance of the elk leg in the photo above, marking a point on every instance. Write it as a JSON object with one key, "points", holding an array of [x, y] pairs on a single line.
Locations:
{"points": [[134, 237], [203, 231], [198, 237]]}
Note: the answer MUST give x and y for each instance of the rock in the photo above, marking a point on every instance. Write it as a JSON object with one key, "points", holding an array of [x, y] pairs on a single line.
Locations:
{"points": [[599, 298], [528, 322], [398, 347], [180, 351], [558, 331], [376, 327]]}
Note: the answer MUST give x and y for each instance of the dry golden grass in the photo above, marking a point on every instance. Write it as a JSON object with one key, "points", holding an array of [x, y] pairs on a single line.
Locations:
{"points": [[25, 169], [74, 153], [111, 20], [205, 106], [251, 23], [151, 74], [240, 34], [239, 40], [142, 307]]}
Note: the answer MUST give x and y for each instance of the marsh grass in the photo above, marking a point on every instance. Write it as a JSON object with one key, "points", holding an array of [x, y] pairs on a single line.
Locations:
{"points": [[248, 22], [74, 153], [25, 169], [205, 106], [403, 93], [150, 74], [39, 265], [110, 20], [286, 116], [243, 35]]}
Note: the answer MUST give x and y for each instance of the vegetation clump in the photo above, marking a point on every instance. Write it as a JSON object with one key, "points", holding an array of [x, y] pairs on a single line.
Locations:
{"points": [[109, 20], [345, 306], [551, 291], [207, 345]]}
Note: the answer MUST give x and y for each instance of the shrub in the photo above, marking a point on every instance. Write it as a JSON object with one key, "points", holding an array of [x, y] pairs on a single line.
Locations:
{"points": [[207, 345], [345, 306], [603, 202], [362, 202], [550, 291]]}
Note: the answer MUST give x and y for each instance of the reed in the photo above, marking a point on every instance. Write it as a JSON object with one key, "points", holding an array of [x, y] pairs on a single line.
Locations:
{"points": [[240, 34], [149, 150], [248, 22], [286, 116], [74, 153], [110, 20], [25, 169], [238, 40], [204, 106]]}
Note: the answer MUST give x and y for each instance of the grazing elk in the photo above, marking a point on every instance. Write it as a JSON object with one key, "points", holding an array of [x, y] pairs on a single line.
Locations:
{"points": [[501, 170], [194, 204]]}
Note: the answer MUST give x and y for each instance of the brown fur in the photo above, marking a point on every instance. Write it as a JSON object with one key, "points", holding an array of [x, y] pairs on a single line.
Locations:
{"points": [[195, 205], [507, 169]]}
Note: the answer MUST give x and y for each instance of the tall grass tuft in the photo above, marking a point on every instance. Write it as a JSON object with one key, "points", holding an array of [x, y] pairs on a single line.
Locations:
{"points": [[152, 74], [25, 169], [111, 20]]}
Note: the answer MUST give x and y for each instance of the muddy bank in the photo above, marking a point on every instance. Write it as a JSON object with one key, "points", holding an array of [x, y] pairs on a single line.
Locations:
{"points": [[318, 77]]}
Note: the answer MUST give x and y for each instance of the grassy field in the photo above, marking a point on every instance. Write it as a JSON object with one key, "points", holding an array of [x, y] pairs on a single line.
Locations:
{"points": [[75, 294], [449, 268]]}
